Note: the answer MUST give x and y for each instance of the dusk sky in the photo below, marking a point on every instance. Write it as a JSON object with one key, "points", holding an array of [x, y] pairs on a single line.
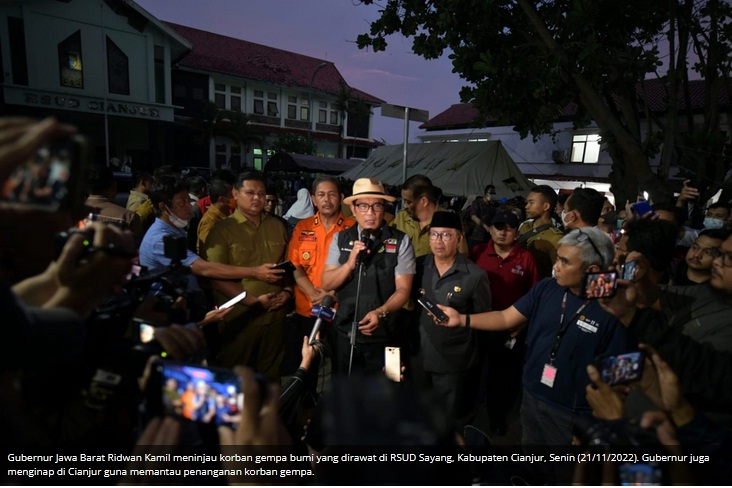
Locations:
{"points": [[327, 29]]}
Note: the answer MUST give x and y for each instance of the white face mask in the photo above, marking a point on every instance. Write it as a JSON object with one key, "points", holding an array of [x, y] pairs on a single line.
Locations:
{"points": [[564, 217], [175, 220], [713, 223]]}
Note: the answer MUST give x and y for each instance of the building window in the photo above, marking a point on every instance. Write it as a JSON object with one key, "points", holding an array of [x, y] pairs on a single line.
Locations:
{"points": [[297, 105], [118, 69], [160, 74], [258, 159], [220, 96], [71, 72], [272, 109], [236, 98], [322, 112], [333, 115], [258, 102], [221, 156], [586, 148], [304, 109], [18, 57], [292, 107]]}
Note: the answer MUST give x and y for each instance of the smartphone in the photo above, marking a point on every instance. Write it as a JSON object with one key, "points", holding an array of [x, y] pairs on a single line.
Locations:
{"points": [[640, 474], [430, 306], [621, 368], [211, 396], [234, 300], [643, 208], [628, 270], [392, 363], [53, 179], [146, 332], [286, 265], [599, 285]]}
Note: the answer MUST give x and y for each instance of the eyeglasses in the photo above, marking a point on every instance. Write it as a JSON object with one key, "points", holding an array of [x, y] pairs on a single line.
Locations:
{"points": [[726, 257], [365, 207], [582, 237], [444, 236]]}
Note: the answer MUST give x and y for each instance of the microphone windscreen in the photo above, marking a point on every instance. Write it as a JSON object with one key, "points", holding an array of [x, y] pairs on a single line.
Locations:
{"points": [[327, 301]]}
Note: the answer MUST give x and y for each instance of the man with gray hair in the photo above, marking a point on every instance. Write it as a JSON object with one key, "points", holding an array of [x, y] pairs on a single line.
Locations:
{"points": [[565, 334]]}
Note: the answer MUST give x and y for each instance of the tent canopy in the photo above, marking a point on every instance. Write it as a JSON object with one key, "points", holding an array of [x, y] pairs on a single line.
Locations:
{"points": [[301, 162], [458, 168]]}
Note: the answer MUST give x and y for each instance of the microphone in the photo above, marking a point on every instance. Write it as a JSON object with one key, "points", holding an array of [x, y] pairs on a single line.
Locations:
{"points": [[322, 311], [366, 239]]}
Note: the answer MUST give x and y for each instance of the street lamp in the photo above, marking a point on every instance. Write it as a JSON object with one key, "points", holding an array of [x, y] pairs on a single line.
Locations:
{"points": [[310, 98]]}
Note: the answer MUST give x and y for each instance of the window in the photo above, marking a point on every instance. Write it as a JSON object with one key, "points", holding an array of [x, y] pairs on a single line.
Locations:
{"points": [[258, 102], [18, 57], [160, 74], [586, 148], [118, 69], [220, 96], [292, 107], [298, 106], [333, 115], [235, 98], [322, 112], [304, 109], [272, 109], [71, 72], [220, 155], [258, 159]]}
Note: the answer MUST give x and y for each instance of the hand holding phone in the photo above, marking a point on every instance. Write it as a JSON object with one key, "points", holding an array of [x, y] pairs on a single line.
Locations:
{"points": [[432, 308], [629, 269], [392, 363], [285, 265], [621, 368], [599, 285]]}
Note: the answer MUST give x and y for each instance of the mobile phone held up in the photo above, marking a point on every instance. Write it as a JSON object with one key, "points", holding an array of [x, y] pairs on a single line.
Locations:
{"points": [[602, 284], [286, 265], [621, 368], [430, 306], [211, 396], [53, 179], [642, 208], [392, 363], [628, 270]]}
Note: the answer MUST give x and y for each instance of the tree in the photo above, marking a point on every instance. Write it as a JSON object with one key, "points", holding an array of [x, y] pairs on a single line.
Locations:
{"points": [[293, 143], [357, 111], [527, 61], [215, 122]]}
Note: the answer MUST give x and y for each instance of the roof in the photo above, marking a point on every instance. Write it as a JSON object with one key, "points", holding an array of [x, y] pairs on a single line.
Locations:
{"points": [[236, 57], [302, 162], [654, 92], [458, 168]]}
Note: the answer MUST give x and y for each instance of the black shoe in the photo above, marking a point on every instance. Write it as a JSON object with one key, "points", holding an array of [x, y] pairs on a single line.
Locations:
{"points": [[498, 428]]}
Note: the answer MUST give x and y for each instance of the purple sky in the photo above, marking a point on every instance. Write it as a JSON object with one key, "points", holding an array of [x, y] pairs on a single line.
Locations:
{"points": [[327, 29]]}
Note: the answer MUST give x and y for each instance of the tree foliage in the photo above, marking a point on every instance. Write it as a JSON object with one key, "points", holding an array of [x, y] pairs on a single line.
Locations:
{"points": [[215, 122], [293, 143], [526, 62]]}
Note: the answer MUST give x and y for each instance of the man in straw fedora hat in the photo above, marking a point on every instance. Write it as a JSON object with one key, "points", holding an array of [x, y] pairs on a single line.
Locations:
{"points": [[386, 259]]}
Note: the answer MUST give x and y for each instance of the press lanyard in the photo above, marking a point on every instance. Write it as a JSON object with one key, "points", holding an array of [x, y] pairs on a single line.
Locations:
{"points": [[563, 327]]}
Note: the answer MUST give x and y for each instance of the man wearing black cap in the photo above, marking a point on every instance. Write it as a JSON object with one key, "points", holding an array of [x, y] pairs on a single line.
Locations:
{"points": [[385, 257], [447, 277]]}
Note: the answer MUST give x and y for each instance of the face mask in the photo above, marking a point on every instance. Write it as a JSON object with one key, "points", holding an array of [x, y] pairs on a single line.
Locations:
{"points": [[564, 217], [712, 223], [175, 220], [609, 217]]}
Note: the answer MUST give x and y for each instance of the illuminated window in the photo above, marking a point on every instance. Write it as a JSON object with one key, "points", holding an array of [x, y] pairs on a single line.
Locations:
{"points": [[586, 148], [71, 71]]}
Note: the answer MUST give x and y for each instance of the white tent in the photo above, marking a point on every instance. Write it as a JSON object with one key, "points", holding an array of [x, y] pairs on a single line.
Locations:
{"points": [[458, 168]]}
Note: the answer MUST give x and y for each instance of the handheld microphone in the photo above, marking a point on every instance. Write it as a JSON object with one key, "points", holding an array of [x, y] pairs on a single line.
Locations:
{"points": [[323, 312], [366, 239]]}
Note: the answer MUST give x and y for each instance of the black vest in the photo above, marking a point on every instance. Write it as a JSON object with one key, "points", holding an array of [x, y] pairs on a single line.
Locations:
{"points": [[377, 283]]}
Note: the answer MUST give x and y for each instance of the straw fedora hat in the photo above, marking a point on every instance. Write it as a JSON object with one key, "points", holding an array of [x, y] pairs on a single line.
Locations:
{"points": [[368, 188]]}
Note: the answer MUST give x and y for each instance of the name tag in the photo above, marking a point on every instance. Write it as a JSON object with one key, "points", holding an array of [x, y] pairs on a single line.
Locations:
{"points": [[548, 375], [586, 327]]}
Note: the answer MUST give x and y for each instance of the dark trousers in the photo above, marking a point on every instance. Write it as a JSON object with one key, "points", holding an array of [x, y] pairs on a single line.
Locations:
{"points": [[504, 371], [368, 358]]}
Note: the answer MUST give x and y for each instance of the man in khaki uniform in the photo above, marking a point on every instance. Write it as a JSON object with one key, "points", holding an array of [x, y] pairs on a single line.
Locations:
{"points": [[538, 234], [251, 336]]}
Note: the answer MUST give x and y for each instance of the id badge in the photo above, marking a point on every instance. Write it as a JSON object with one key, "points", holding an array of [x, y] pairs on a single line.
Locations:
{"points": [[548, 375]]}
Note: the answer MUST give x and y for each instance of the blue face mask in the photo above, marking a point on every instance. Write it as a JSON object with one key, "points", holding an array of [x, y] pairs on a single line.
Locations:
{"points": [[713, 223]]}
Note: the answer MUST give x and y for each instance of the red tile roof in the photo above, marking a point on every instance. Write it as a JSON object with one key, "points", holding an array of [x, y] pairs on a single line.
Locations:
{"points": [[227, 55], [464, 115]]}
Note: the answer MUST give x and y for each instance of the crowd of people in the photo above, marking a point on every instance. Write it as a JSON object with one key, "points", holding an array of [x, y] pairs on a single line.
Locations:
{"points": [[489, 303]]}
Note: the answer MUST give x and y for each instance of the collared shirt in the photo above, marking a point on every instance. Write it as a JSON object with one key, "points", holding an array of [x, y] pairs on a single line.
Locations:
{"points": [[510, 277], [135, 199], [238, 241], [152, 248], [308, 248], [207, 222]]}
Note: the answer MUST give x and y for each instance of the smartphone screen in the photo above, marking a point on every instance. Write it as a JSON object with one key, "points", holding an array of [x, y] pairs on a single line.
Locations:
{"points": [[234, 300], [599, 285], [392, 363], [286, 265], [640, 474], [621, 368], [430, 306], [206, 395], [147, 332], [52, 179], [629, 270], [642, 208]]}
